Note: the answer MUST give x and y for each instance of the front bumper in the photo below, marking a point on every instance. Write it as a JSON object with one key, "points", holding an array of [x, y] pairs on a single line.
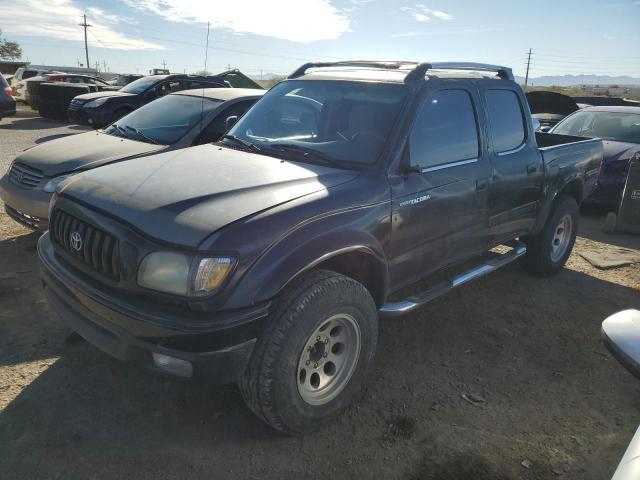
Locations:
{"points": [[27, 206], [77, 114], [94, 117], [218, 349]]}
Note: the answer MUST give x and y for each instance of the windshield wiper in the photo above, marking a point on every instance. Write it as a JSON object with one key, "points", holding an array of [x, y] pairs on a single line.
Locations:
{"points": [[139, 132], [122, 131], [244, 143], [308, 152]]}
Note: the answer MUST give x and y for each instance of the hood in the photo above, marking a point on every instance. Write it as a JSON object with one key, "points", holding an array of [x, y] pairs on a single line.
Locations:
{"points": [[181, 197], [83, 151], [551, 102], [619, 151], [107, 93]]}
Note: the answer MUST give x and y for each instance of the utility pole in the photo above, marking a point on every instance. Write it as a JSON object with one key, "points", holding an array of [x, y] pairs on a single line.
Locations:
{"points": [[86, 47], [526, 77], [104, 64], [98, 67], [164, 64]]}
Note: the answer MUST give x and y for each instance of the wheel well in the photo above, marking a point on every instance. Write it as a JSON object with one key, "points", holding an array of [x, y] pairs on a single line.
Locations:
{"points": [[362, 267], [573, 189]]}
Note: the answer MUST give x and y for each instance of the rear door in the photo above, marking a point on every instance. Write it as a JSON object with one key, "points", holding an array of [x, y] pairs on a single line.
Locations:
{"points": [[440, 209], [517, 177]]}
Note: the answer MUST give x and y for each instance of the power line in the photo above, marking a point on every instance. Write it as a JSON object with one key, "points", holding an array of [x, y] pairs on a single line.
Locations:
{"points": [[578, 56]]}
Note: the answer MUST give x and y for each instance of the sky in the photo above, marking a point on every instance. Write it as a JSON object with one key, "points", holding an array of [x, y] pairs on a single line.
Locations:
{"points": [[276, 36]]}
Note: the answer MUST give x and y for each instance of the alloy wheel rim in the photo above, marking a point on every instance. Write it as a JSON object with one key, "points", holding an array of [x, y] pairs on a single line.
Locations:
{"points": [[328, 359], [561, 238]]}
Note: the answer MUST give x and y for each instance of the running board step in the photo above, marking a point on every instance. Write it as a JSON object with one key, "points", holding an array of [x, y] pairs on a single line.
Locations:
{"points": [[411, 303]]}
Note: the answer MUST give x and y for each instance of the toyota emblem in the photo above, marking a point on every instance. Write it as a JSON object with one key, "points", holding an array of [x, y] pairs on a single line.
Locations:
{"points": [[76, 241], [20, 177]]}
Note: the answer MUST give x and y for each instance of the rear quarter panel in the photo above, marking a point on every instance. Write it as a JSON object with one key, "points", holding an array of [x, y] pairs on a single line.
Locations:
{"points": [[566, 164]]}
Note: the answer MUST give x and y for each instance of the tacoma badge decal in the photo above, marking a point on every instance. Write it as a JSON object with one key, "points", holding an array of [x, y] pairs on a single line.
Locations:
{"points": [[413, 201]]}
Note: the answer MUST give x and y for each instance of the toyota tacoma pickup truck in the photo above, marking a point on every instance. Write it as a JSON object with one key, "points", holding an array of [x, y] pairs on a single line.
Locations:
{"points": [[350, 191]]}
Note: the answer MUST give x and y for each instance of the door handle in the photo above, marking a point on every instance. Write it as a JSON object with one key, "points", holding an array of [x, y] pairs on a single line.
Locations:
{"points": [[532, 168], [481, 184]]}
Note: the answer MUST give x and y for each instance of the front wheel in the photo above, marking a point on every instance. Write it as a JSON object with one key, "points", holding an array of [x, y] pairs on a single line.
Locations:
{"points": [[313, 356], [548, 251]]}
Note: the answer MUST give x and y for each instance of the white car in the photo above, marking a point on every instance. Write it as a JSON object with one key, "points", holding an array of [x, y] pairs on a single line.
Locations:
{"points": [[18, 82]]}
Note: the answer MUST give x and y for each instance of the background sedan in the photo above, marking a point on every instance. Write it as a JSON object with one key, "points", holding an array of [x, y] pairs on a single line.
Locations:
{"points": [[619, 127], [178, 120]]}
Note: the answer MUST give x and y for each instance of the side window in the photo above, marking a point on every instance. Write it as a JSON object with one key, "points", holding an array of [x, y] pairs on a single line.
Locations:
{"points": [[217, 128], [201, 84], [506, 119], [445, 130], [168, 87]]}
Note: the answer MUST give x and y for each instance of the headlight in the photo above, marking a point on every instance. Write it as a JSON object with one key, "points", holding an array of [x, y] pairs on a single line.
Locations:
{"points": [[96, 103], [170, 272], [52, 184]]}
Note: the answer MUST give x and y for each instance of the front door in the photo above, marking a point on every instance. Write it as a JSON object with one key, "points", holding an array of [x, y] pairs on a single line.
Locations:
{"points": [[440, 209]]}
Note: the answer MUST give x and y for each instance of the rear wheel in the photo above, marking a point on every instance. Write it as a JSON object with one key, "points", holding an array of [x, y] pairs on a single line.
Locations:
{"points": [[548, 251], [314, 353]]}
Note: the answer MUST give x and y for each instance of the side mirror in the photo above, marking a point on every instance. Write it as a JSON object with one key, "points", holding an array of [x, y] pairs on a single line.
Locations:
{"points": [[545, 129], [230, 122], [621, 336]]}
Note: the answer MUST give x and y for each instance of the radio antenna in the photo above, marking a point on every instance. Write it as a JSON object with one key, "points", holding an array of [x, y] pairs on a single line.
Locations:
{"points": [[206, 58]]}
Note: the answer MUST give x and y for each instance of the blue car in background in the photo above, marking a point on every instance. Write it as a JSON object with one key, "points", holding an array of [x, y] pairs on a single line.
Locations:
{"points": [[619, 128]]}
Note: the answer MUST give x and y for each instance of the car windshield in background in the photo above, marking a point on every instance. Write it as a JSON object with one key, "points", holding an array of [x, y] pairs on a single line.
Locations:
{"points": [[619, 127], [139, 85], [163, 121], [323, 121]]}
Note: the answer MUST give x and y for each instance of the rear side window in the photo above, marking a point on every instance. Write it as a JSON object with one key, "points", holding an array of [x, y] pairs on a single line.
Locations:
{"points": [[506, 118], [168, 87], [445, 130], [3, 82], [29, 74]]}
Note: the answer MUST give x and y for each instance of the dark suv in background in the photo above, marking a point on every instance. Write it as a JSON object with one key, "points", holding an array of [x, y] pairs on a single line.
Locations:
{"points": [[7, 102], [102, 108]]}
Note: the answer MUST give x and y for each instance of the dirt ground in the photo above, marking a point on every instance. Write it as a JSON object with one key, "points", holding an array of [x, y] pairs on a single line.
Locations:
{"points": [[529, 347]]}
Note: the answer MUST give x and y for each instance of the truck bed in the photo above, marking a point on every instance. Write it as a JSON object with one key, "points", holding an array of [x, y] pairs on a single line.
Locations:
{"points": [[560, 153]]}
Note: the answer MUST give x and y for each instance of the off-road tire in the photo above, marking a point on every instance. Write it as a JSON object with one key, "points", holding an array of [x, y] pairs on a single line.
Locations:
{"points": [[269, 384], [538, 259]]}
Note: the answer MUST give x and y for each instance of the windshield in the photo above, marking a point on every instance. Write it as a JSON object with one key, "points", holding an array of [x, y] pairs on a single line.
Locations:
{"points": [[163, 121], [340, 121], [139, 85], [619, 127]]}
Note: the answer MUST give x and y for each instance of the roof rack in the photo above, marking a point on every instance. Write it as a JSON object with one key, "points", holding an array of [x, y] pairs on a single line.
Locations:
{"points": [[421, 70], [389, 65], [417, 71]]}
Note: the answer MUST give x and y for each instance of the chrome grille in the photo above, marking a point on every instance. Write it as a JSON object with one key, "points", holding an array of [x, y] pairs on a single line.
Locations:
{"points": [[92, 246], [24, 176]]}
